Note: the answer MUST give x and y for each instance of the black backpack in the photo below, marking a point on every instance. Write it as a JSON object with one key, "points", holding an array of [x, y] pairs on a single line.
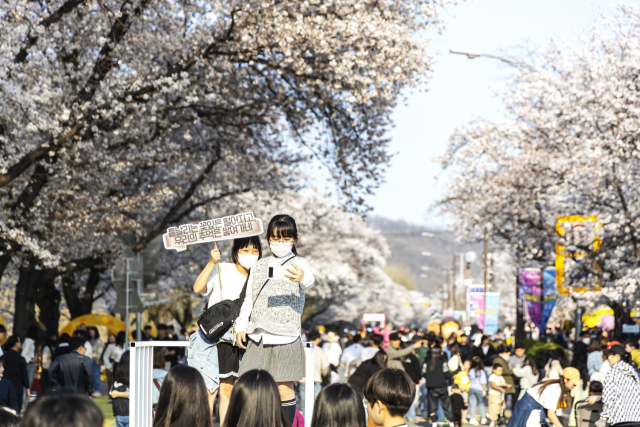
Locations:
{"points": [[216, 320]]}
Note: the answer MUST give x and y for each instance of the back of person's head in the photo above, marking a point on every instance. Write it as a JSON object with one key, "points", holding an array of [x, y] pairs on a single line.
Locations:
{"points": [[595, 388], [159, 361], [501, 348], [184, 400], [313, 335], [120, 339], [75, 343], [338, 405], [380, 359], [632, 342], [62, 409], [122, 369], [33, 332], [82, 333], [64, 338], [11, 342], [255, 401], [8, 419], [357, 339], [476, 363], [377, 339], [392, 388]]}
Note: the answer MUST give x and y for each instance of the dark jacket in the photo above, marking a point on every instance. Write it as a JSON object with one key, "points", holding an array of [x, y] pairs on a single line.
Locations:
{"points": [[467, 351], [8, 397], [73, 371], [120, 404], [362, 374], [61, 349], [435, 369], [580, 355], [15, 370], [412, 368], [487, 359]]}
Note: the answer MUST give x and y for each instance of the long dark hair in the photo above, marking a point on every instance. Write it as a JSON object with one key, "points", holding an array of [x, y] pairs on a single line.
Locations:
{"points": [[557, 354], [544, 384], [338, 405], [255, 401], [122, 369], [243, 243], [120, 339], [380, 359], [286, 227], [183, 400], [476, 364], [534, 368]]}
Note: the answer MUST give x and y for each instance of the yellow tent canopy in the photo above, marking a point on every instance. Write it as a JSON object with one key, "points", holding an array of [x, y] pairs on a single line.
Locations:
{"points": [[112, 324]]}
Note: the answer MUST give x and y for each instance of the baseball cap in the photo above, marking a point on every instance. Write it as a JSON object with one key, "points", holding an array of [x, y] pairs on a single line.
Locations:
{"points": [[394, 337], [615, 349], [612, 343], [572, 374]]}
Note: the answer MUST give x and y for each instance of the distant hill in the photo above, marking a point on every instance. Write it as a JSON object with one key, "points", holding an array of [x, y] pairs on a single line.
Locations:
{"points": [[407, 244]]}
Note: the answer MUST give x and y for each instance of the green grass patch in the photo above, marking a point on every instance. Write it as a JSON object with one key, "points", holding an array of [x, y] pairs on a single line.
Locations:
{"points": [[536, 350], [107, 410]]}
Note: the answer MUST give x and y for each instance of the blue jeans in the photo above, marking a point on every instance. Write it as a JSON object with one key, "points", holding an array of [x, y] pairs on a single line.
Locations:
{"points": [[122, 420], [475, 400], [96, 375]]}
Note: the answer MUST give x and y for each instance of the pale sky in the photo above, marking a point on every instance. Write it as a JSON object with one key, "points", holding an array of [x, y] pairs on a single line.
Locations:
{"points": [[462, 90]]}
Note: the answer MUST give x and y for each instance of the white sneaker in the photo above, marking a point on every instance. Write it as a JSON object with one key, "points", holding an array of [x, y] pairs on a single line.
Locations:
{"points": [[474, 422], [483, 421], [492, 424]]}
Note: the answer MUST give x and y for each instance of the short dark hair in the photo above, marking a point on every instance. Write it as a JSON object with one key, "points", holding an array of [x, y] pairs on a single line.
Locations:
{"points": [[595, 387], [501, 348], [313, 335], [70, 410], [377, 339], [243, 243], [7, 419], [121, 374], [158, 358], [162, 327], [147, 327], [633, 343], [338, 405], [357, 339], [496, 365], [3, 330], [255, 401], [11, 342], [393, 388], [394, 337], [519, 345], [76, 342]]}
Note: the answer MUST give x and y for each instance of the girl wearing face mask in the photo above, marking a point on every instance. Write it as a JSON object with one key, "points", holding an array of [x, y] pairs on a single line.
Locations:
{"points": [[270, 318], [219, 363]]}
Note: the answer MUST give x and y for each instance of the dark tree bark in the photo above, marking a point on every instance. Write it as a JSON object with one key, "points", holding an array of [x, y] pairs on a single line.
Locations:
{"points": [[48, 301], [25, 302], [80, 298]]}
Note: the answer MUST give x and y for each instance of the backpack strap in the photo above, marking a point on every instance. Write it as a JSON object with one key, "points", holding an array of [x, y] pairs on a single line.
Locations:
{"points": [[157, 384]]}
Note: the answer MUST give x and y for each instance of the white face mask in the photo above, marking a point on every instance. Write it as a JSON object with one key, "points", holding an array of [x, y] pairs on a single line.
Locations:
{"points": [[280, 249], [586, 341], [247, 260]]}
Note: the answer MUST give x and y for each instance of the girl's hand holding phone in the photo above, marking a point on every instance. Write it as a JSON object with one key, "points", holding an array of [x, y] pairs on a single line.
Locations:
{"points": [[294, 273], [215, 256]]}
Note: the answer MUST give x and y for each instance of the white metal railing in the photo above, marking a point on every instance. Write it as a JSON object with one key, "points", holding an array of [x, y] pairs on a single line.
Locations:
{"points": [[141, 381]]}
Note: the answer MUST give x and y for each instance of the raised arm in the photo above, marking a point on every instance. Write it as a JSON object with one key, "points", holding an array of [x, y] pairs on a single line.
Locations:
{"points": [[201, 282]]}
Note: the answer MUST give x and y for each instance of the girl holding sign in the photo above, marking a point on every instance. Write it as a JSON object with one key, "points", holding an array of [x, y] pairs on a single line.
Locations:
{"points": [[271, 314], [218, 363]]}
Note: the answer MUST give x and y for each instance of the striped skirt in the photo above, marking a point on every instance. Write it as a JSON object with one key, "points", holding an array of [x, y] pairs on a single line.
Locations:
{"points": [[285, 362]]}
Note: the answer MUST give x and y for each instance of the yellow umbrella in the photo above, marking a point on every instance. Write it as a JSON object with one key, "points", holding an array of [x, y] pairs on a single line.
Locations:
{"points": [[112, 324]]}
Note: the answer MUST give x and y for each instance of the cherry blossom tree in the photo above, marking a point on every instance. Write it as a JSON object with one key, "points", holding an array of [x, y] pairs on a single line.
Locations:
{"points": [[566, 145], [116, 114]]}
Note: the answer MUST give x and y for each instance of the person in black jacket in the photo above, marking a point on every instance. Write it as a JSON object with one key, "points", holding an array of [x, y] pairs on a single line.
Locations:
{"points": [[486, 352], [15, 369], [8, 397], [414, 370], [366, 370], [120, 392], [73, 371], [466, 348], [437, 373]]}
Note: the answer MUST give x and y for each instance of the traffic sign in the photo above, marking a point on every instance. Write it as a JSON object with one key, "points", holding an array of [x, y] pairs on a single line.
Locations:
{"points": [[135, 304]]}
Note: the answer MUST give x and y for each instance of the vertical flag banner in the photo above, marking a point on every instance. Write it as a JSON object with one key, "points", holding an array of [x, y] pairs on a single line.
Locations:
{"points": [[477, 301], [471, 302], [492, 313], [531, 283], [549, 295]]}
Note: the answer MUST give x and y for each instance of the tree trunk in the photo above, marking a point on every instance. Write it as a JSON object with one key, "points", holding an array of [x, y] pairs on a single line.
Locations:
{"points": [[80, 299], [25, 302], [48, 301]]}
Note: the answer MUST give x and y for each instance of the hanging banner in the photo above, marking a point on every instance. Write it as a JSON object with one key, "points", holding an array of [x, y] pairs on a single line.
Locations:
{"points": [[477, 301], [578, 237], [531, 284], [549, 295], [492, 313], [213, 230], [471, 303]]}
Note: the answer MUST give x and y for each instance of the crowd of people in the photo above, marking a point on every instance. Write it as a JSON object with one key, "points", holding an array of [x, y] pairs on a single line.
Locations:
{"points": [[253, 371]]}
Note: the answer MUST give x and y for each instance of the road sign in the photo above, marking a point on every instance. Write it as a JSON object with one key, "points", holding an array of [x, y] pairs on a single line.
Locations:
{"points": [[135, 304], [119, 270]]}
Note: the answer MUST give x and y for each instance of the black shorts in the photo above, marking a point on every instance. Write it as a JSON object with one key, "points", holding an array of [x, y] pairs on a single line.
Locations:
{"points": [[229, 360]]}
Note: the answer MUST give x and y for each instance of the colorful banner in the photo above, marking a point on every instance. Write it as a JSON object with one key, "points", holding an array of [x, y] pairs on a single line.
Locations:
{"points": [[531, 285], [493, 313], [549, 295], [476, 300]]}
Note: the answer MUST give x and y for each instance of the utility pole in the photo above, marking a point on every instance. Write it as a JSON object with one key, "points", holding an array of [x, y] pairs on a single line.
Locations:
{"points": [[453, 284]]}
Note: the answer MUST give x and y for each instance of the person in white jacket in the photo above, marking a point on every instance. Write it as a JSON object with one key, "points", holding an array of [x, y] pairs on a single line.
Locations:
{"points": [[332, 348], [528, 374]]}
